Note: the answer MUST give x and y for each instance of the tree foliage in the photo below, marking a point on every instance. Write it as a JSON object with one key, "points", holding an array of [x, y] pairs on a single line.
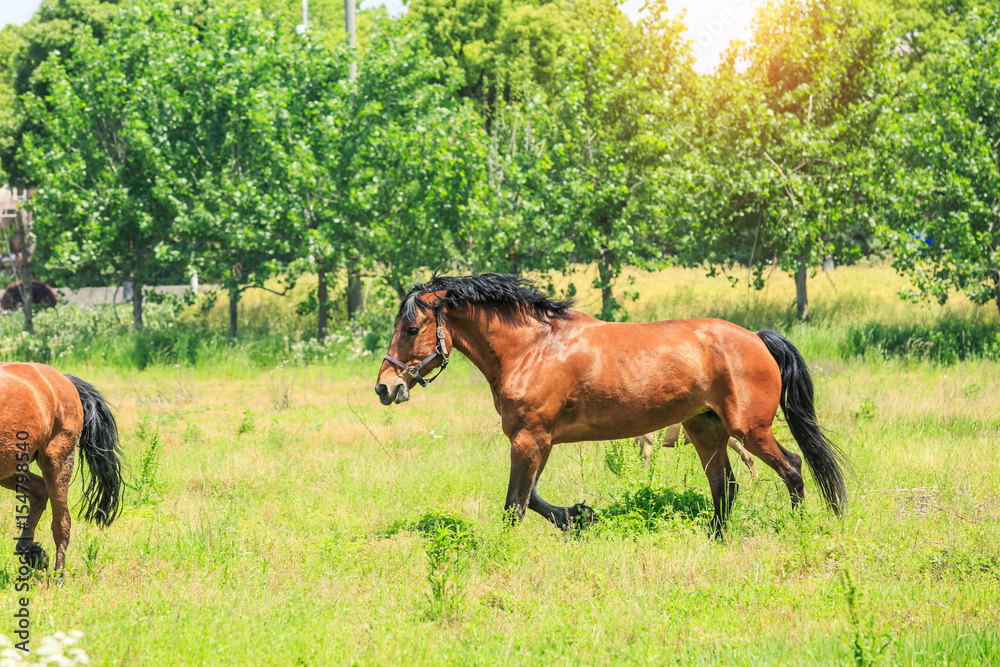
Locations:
{"points": [[790, 152], [613, 140], [944, 197], [231, 81], [106, 130], [207, 136]]}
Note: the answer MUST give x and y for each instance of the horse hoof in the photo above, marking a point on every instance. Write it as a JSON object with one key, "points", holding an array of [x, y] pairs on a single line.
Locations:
{"points": [[37, 558], [582, 516]]}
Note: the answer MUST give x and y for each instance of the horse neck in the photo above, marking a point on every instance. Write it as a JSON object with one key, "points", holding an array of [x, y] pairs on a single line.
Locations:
{"points": [[489, 341]]}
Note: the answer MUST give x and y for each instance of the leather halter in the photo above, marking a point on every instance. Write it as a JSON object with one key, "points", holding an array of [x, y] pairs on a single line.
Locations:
{"points": [[439, 349]]}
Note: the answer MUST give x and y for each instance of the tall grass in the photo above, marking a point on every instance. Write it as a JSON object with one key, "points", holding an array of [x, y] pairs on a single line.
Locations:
{"points": [[306, 539], [174, 334], [854, 311]]}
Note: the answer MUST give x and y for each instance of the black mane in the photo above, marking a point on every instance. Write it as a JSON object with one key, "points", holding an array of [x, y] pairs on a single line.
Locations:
{"points": [[519, 295]]}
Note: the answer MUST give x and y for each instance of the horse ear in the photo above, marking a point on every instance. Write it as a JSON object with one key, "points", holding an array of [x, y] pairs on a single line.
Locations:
{"points": [[434, 299]]}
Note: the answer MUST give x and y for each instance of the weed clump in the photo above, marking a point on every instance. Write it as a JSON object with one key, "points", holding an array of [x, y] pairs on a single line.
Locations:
{"points": [[868, 645], [145, 486], [644, 509], [947, 341]]}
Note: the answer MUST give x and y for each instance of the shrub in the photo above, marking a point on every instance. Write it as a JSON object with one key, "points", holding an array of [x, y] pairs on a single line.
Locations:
{"points": [[643, 508], [946, 342], [104, 335]]}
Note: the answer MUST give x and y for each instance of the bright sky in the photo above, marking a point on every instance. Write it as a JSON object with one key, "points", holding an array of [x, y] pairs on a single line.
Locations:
{"points": [[711, 23], [17, 11]]}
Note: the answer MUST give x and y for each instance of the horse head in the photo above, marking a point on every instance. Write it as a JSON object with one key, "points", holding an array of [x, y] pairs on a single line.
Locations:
{"points": [[420, 343]]}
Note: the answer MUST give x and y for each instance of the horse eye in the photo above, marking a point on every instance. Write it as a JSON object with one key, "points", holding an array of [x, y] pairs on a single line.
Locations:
{"points": [[413, 331]]}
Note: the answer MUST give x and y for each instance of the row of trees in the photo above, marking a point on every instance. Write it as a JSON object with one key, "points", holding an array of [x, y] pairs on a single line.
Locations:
{"points": [[206, 136]]}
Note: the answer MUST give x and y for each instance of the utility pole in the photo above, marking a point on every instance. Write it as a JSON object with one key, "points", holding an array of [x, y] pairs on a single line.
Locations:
{"points": [[302, 27], [352, 35], [353, 273]]}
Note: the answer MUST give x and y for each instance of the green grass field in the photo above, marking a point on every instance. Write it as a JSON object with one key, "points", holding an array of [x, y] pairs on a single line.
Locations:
{"points": [[280, 515]]}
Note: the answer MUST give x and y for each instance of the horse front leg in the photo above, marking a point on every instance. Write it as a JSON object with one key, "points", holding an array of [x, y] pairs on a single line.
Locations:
{"points": [[564, 518], [528, 455]]}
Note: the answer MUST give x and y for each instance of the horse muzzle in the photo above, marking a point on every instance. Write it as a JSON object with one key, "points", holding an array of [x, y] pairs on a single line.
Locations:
{"points": [[397, 393]]}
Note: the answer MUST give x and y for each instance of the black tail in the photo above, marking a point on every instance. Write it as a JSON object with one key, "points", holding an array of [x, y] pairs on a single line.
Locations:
{"points": [[100, 451], [824, 458]]}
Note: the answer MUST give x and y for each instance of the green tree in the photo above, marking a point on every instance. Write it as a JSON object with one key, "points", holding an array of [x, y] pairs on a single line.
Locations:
{"points": [[108, 199], [943, 218], [231, 82], [519, 198], [924, 28], [614, 140], [10, 43], [790, 155], [410, 179], [316, 169], [384, 168], [496, 46], [54, 29]]}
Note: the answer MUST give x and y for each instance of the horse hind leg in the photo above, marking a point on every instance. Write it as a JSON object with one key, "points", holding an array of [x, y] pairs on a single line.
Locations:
{"points": [[761, 443], [56, 462], [737, 447], [710, 440], [34, 488], [647, 443]]}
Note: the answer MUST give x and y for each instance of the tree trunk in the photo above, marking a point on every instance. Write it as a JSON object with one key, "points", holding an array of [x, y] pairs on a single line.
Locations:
{"points": [[137, 304], [605, 269], [234, 310], [801, 297], [996, 281], [322, 298], [27, 281], [353, 293]]}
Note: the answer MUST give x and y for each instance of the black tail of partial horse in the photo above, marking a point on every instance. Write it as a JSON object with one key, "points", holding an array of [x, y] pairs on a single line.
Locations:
{"points": [[824, 458], [101, 452]]}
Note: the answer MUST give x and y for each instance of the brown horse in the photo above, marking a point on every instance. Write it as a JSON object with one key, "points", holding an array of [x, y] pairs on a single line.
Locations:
{"points": [[558, 375], [43, 415]]}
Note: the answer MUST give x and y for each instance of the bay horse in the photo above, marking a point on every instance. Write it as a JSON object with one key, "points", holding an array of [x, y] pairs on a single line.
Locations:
{"points": [[44, 415], [558, 375]]}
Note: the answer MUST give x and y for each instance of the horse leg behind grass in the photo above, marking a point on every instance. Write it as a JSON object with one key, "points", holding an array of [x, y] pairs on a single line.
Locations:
{"points": [[672, 435], [34, 488], [529, 454]]}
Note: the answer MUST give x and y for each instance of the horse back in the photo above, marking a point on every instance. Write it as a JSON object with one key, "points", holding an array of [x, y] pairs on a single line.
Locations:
{"points": [[37, 399], [623, 379]]}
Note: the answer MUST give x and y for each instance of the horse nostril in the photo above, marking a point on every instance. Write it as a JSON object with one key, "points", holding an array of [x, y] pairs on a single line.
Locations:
{"points": [[382, 389]]}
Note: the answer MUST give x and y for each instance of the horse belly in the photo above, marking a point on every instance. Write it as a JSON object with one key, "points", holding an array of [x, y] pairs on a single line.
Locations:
{"points": [[615, 417], [637, 385]]}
